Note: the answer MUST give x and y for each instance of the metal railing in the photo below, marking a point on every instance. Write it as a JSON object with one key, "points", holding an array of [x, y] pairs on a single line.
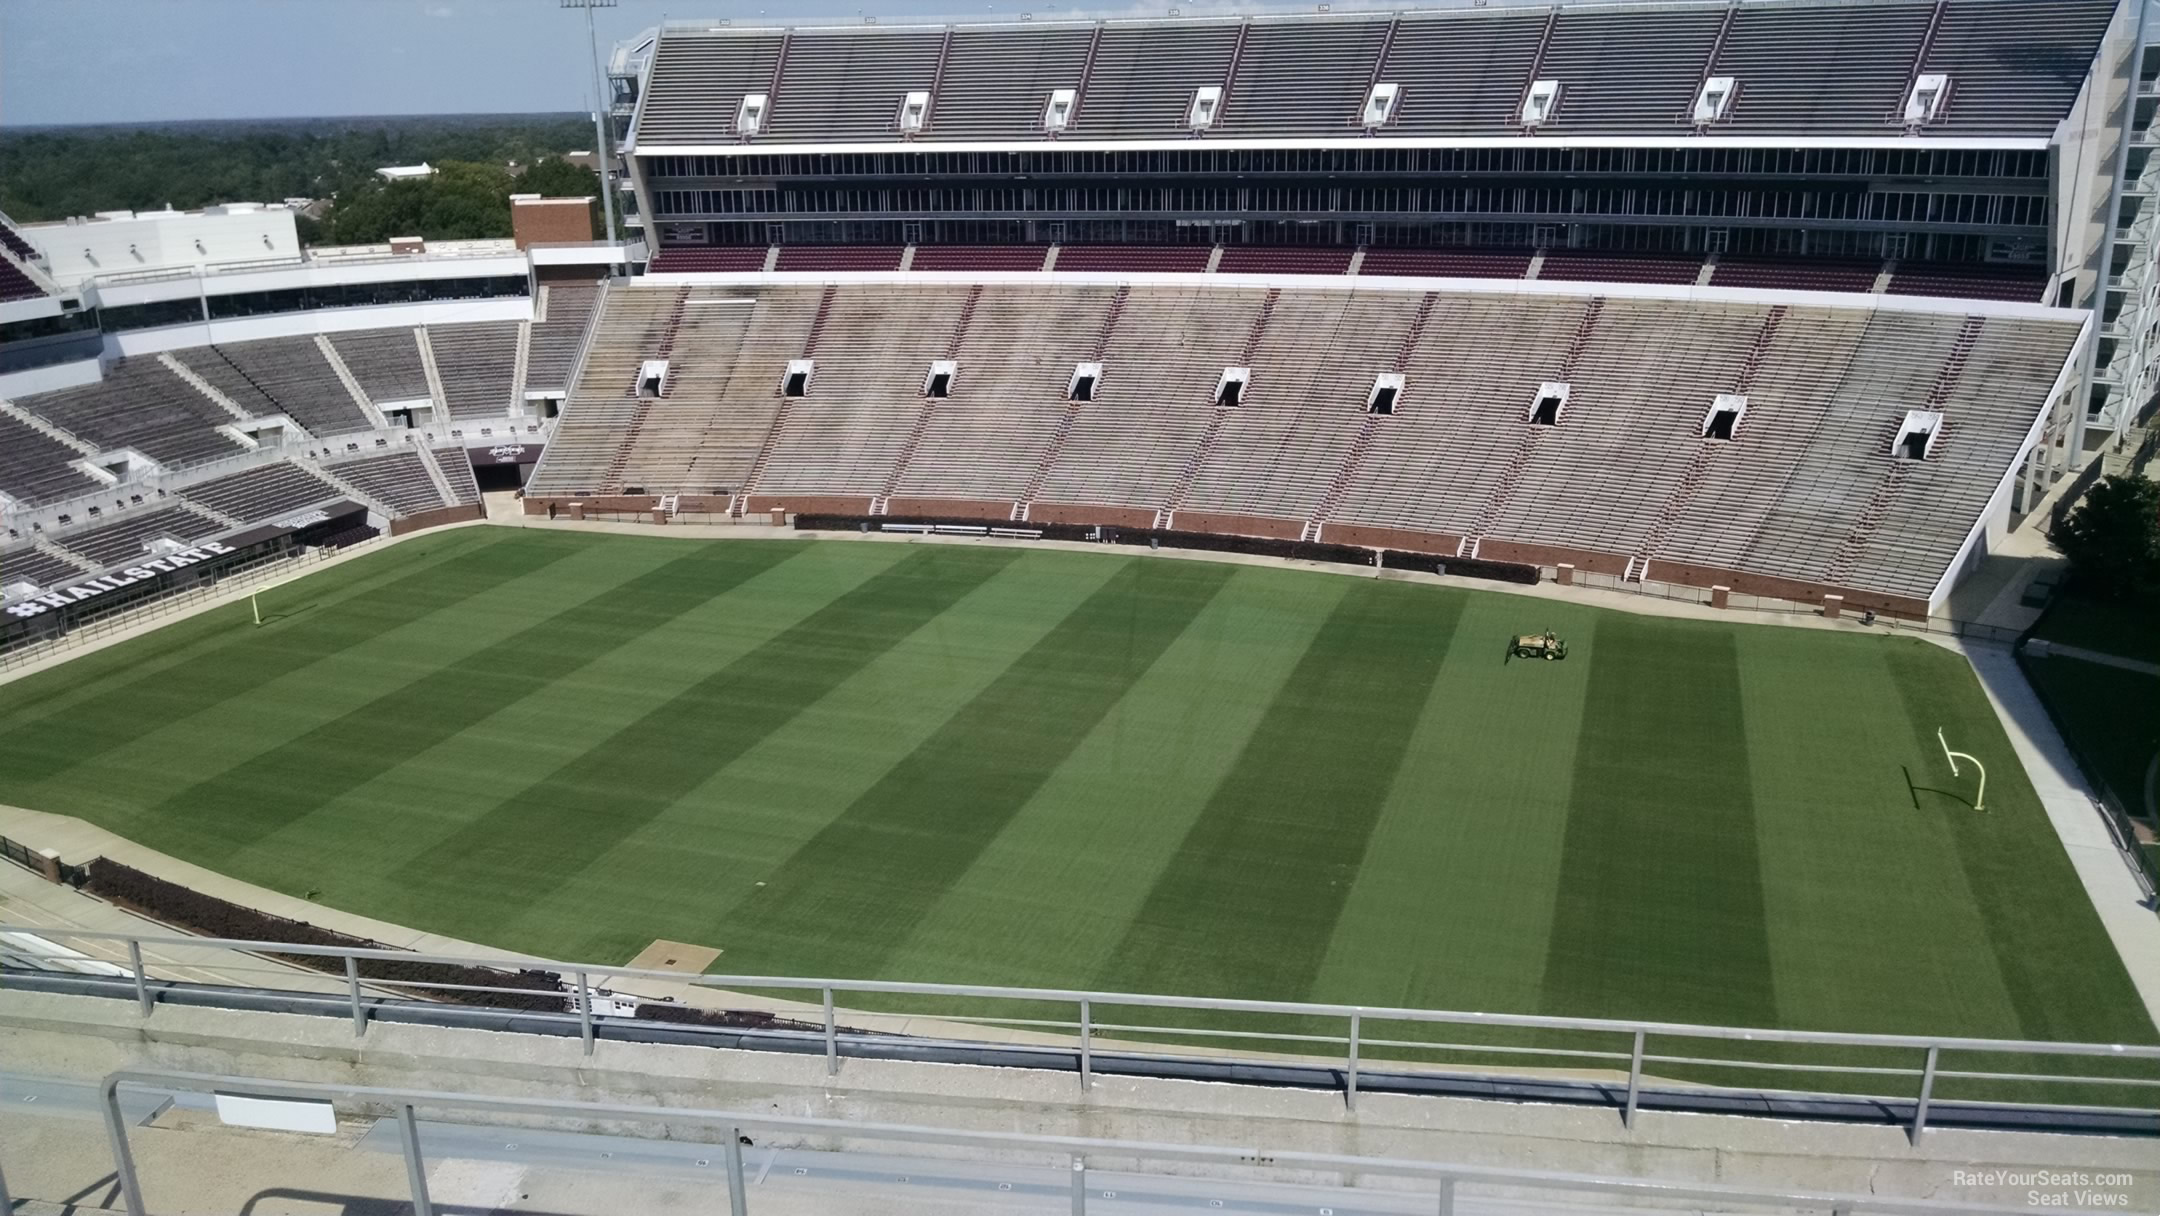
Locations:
{"points": [[1084, 1154], [1691, 1061]]}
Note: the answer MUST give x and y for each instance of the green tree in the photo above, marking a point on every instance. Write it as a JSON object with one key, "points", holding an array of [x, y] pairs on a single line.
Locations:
{"points": [[2113, 538]]}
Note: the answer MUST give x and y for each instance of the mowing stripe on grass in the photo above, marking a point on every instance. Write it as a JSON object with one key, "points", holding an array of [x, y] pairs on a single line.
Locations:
{"points": [[271, 790], [1453, 902], [2027, 891], [1049, 900], [554, 828], [1247, 905], [246, 659], [885, 862], [1659, 912]]}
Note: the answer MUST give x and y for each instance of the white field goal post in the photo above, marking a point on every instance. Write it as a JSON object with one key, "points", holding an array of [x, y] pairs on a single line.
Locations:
{"points": [[255, 605], [1979, 796]]}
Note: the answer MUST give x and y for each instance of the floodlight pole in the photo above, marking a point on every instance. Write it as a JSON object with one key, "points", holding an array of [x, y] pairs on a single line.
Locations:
{"points": [[603, 153], [1980, 797]]}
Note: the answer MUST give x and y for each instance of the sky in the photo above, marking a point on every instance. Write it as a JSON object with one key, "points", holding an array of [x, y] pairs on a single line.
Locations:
{"points": [[132, 61]]}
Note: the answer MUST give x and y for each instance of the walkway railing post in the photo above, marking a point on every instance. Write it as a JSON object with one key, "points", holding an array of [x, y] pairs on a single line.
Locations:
{"points": [[1079, 1186], [7, 1204], [1447, 1197], [352, 984], [123, 1154], [1087, 1054], [832, 1039], [738, 1192], [1350, 1074], [1927, 1093], [142, 983], [584, 1012], [415, 1163], [1634, 1082]]}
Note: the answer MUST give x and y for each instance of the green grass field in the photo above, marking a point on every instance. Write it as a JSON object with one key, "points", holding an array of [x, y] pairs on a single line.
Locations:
{"points": [[1098, 769]]}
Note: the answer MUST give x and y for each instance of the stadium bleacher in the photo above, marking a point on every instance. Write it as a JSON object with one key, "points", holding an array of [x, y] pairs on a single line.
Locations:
{"points": [[1284, 259], [286, 376], [15, 285], [122, 540], [143, 405], [1626, 476], [34, 466], [1574, 267], [477, 364], [386, 362], [28, 564], [1150, 258], [398, 480], [1966, 282], [1447, 263], [261, 493], [457, 470], [13, 241], [1803, 68], [978, 257], [839, 257], [557, 340], [687, 259]]}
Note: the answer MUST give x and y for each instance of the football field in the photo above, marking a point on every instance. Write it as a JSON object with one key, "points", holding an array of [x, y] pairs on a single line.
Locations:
{"points": [[1106, 769]]}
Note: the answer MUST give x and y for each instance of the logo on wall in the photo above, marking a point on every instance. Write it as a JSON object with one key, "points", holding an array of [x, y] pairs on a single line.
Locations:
{"points": [[507, 453], [69, 596]]}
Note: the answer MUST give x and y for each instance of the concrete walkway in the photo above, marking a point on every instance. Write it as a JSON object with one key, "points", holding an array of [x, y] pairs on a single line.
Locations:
{"points": [[2131, 923]]}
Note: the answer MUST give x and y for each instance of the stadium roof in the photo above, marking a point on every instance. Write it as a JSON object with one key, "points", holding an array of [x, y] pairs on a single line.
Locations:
{"points": [[1832, 70]]}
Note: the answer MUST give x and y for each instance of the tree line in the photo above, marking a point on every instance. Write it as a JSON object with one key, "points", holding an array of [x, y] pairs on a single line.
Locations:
{"points": [[53, 173]]}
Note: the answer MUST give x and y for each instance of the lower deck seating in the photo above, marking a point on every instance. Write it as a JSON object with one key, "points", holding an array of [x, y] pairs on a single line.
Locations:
{"points": [[123, 540], [30, 565], [261, 493], [397, 480], [457, 469], [1806, 489]]}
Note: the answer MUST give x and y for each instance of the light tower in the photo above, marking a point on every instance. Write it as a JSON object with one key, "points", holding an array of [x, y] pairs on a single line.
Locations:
{"points": [[603, 145]]}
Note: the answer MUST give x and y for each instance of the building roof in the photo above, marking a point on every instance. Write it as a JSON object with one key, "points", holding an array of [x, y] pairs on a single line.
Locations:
{"points": [[1810, 68]]}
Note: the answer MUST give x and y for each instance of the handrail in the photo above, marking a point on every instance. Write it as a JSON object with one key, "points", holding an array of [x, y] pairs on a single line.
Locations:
{"points": [[1449, 1176], [1218, 1004], [1526, 1021], [580, 981]]}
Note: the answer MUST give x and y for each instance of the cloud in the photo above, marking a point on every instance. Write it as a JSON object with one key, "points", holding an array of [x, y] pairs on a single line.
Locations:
{"points": [[439, 11]]}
